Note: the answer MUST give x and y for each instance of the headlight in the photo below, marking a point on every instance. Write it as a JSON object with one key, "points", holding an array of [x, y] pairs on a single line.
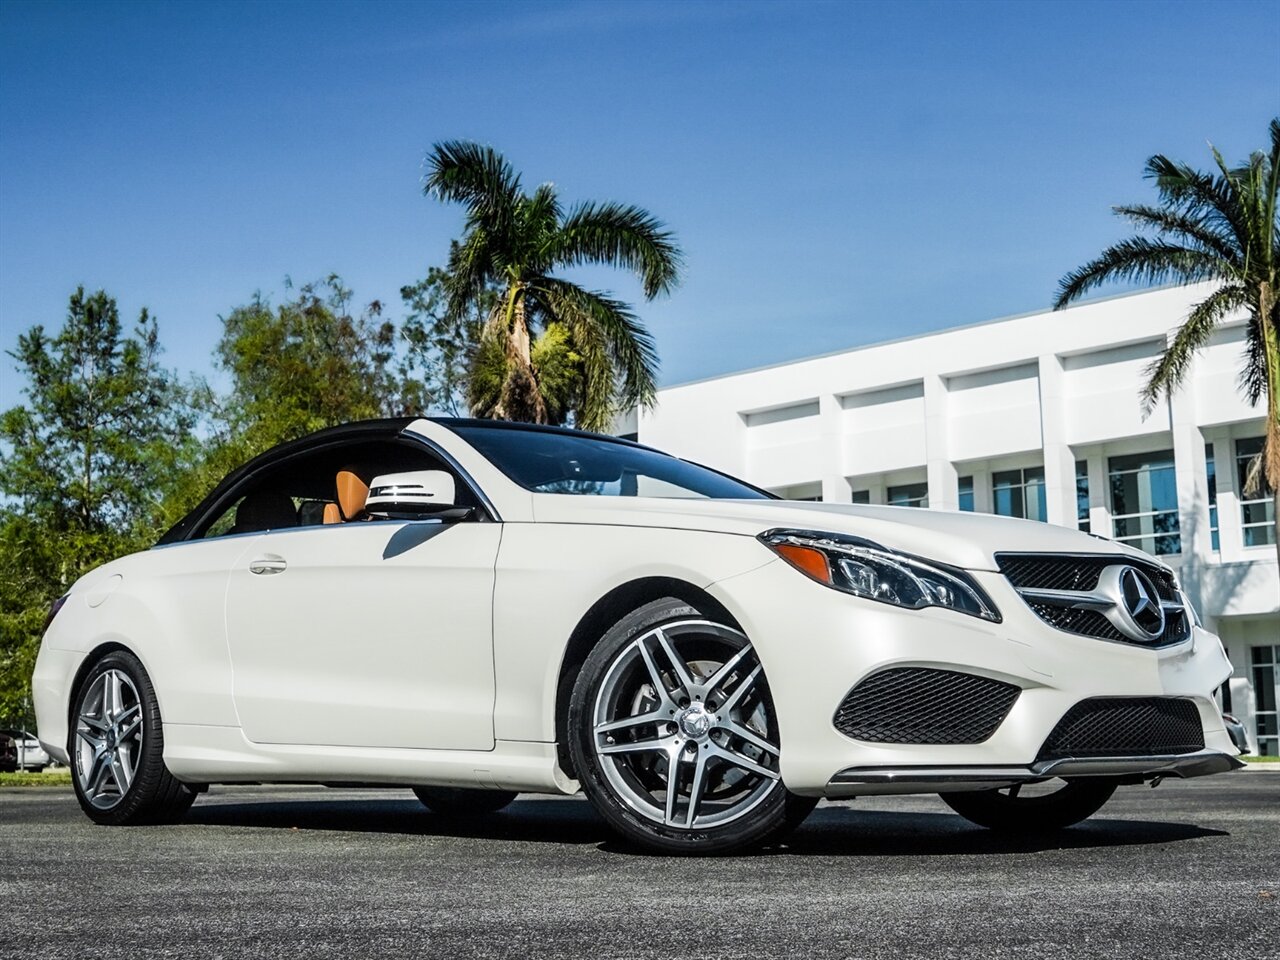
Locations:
{"points": [[869, 570]]}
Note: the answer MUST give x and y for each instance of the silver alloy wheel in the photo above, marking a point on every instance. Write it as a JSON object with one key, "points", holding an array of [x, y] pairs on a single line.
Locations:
{"points": [[108, 739], [683, 726]]}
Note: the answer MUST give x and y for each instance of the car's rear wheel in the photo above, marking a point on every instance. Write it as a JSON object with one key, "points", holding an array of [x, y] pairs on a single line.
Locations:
{"points": [[674, 735], [462, 801], [1033, 808], [117, 748]]}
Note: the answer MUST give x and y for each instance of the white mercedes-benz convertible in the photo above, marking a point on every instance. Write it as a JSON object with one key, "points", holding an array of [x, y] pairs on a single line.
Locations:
{"points": [[473, 609]]}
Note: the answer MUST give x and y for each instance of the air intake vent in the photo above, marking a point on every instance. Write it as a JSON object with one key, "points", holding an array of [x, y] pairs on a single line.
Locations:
{"points": [[1126, 727], [923, 705]]}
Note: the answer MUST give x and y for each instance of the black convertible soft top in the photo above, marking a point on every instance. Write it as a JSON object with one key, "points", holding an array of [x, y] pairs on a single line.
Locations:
{"points": [[331, 436], [361, 430]]}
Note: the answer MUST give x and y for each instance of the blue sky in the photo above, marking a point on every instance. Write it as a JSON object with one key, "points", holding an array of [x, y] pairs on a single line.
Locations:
{"points": [[837, 173]]}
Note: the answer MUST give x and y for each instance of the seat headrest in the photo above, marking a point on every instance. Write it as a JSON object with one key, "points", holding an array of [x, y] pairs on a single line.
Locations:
{"points": [[331, 513], [352, 493], [263, 510]]}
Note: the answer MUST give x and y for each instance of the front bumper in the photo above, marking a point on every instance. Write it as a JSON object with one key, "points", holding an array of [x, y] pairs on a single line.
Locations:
{"points": [[816, 644], [856, 781]]}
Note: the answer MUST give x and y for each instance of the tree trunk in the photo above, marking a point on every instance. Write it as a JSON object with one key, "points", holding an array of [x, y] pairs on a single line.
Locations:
{"points": [[521, 397], [1271, 448], [520, 333], [1275, 510]]}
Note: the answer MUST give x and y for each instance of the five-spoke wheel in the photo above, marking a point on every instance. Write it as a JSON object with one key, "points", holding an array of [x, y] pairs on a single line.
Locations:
{"points": [[117, 747], [675, 737], [109, 737]]}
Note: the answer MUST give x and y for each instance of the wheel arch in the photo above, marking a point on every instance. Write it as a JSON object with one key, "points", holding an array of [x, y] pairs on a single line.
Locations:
{"points": [[95, 654], [595, 623]]}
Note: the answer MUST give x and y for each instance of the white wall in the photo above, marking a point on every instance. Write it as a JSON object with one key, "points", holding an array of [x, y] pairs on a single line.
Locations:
{"points": [[1045, 389]]}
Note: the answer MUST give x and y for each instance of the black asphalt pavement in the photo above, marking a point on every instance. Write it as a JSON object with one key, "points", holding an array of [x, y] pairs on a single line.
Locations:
{"points": [[1191, 869]]}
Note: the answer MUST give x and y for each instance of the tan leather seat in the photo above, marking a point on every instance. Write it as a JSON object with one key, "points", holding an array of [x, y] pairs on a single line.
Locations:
{"points": [[332, 514], [352, 493]]}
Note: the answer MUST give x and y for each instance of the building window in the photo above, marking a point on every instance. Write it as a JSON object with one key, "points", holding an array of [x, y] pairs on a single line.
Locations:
{"points": [[861, 496], [909, 495], [1019, 493], [1144, 502], [1257, 512], [1264, 661], [966, 494], [1211, 471], [1082, 496]]}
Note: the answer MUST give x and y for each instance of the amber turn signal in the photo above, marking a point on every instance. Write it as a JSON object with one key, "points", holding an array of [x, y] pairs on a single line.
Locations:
{"points": [[807, 560]]}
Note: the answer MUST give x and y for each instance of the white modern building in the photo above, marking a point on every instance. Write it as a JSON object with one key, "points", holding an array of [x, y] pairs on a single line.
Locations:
{"points": [[1034, 416]]}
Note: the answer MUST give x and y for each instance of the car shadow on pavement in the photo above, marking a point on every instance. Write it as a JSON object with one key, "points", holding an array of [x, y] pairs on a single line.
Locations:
{"points": [[845, 831], [837, 830], [530, 820]]}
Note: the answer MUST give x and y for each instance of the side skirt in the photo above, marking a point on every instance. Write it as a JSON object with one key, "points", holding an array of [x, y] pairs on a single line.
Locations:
{"points": [[208, 754]]}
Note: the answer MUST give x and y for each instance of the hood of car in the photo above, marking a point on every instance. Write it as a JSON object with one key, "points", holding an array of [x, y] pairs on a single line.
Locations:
{"points": [[968, 540]]}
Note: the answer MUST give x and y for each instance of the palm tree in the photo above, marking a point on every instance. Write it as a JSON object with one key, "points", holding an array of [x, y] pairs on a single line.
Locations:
{"points": [[1219, 226], [550, 346]]}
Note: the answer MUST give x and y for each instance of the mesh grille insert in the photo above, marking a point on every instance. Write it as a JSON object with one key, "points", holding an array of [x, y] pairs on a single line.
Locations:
{"points": [[1070, 572], [924, 705], [1126, 727]]}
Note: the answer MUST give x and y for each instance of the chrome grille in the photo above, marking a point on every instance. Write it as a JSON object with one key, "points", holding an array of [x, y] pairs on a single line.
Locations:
{"points": [[1060, 590], [1049, 571]]}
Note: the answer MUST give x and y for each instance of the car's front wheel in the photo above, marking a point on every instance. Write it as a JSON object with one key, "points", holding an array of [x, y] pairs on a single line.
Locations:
{"points": [[1033, 808], [675, 738], [117, 747]]}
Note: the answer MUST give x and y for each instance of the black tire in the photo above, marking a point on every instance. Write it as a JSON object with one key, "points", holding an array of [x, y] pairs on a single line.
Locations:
{"points": [[779, 812], [463, 802], [1074, 801], [154, 795]]}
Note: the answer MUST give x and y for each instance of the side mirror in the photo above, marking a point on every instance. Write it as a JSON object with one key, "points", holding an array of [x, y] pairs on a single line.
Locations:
{"points": [[420, 495]]}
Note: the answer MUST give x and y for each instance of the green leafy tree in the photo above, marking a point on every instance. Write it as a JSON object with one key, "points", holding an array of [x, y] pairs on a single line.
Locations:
{"points": [[514, 243], [1220, 226], [441, 349], [85, 466], [307, 364]]}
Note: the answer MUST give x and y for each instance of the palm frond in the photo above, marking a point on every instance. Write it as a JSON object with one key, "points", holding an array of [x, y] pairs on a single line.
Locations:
{"points": [[1253, 374], [470, 270], [624, 236], [1139, 259], [477, 176], [591, 315], [558, 362], [486, 370], [1273, 189], [539, 222], [1168, 370], [1198, 229], [1185, 188]]}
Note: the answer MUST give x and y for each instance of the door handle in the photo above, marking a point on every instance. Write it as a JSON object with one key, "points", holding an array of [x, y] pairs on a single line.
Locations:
{"points": [[268, 564]]}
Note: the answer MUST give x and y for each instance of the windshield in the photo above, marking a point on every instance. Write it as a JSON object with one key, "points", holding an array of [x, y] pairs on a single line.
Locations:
{"points": [[550, 462]]}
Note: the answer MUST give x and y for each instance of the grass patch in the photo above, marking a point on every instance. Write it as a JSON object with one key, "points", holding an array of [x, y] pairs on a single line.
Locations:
{"points": [[60, 777], [1250, 759]]}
